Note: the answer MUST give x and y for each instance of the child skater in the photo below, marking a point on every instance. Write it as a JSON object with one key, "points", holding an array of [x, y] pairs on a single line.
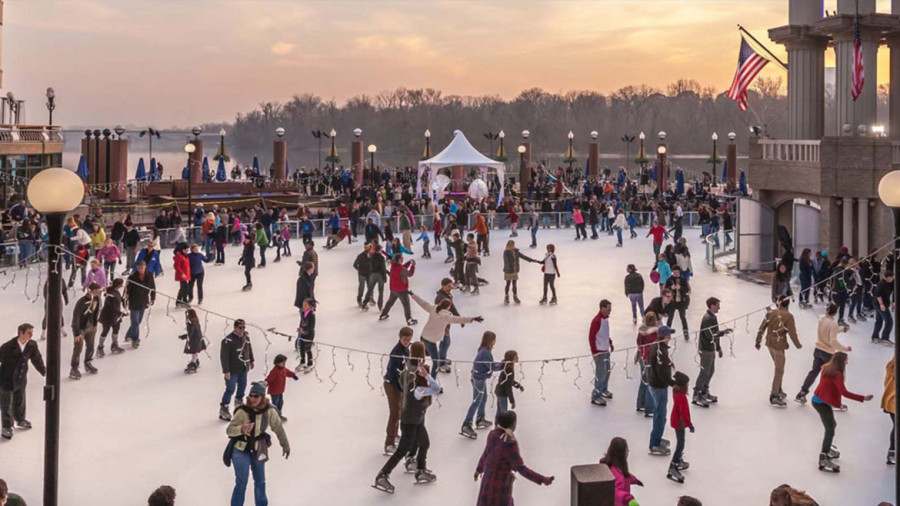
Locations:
{"points": [[111, 317], [194, 343], [551, 272], [275, 383], [438, 228], [423, 236], [306, 333], [680, 420], [472, 262], [500, 458], [617, 459], [505, 385]]}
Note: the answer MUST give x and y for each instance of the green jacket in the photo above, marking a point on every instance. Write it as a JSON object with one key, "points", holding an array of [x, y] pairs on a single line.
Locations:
{"points": [[261, 238], [404, 222], [274, 422]]}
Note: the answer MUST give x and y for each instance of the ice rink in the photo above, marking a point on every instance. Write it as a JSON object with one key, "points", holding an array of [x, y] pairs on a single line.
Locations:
{"points": [[141, 422]]}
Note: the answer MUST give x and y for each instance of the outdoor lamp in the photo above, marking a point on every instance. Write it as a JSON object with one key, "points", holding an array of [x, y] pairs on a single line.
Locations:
{"points": [[641, 137], [662, 136], [332, 133], [279, 132], [373, 148], [501, 134], [222, 133], [862, 129], [525, 134], [522, 150], [571, 135], [357, 132], [594, 135], [51, 94], [715, 136], [888, 189], [196, 131], [731, 135], [189, 148], [427, 134], [878, 130], [119, 130], [661, 150], [106, 133], [55, 190]]}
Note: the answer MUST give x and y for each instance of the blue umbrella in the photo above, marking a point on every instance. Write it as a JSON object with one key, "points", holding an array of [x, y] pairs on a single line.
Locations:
{"points": [[185, 173], [287, 170], [743, 183], [82, 169], [654, 171], [154, 175], [256, 164], [220, 171], [141, 174], [587, 168], [679, 184], [725, 171], [205, 169]]}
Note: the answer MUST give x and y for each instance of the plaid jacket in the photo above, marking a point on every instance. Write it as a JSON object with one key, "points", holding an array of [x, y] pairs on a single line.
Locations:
{"points": [[499, 460]]}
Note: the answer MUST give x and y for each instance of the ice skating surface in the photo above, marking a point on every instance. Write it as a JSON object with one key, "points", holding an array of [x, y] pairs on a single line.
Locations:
{"points": [[141, 422]]}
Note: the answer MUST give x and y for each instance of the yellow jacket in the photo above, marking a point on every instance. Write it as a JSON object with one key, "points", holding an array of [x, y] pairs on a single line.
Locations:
{"points": [[890, 390], [98, 240]]}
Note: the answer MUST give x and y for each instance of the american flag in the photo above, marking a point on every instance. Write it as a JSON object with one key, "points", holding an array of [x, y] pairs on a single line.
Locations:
{"points": [[859, 67], [750, 63]]}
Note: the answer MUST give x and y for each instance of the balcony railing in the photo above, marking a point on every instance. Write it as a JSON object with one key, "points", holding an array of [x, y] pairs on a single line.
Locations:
{"points": [[29, 133], [895, 152], [792, 150]]}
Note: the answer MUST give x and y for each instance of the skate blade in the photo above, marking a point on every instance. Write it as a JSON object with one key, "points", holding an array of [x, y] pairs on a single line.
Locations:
{"points": [[468, 436], [382, 489], [424, 482]]}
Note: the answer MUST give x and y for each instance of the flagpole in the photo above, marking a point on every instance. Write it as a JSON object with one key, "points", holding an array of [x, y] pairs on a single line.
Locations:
{"points": [[741, 28]]}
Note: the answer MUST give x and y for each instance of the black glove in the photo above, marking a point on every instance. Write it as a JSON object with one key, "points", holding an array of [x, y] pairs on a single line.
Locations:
{"points": [[478, 319]]}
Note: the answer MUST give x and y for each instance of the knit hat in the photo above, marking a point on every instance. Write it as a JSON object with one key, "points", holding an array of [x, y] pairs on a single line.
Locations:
{"points": [[664, 331], [258, 388], [681, 378]]}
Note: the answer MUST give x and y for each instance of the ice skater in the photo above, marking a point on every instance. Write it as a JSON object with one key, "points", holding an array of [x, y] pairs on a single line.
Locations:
{"points": [[826, 344], [482, 370], [551, 271], [709, 346], [777, 325], [399, 285], [680, 420], [275, 383], [194, 342], [439, 319], [511, 257], [506, 399], [15, 355], [393, 391], [306, 333], [616, 459]]}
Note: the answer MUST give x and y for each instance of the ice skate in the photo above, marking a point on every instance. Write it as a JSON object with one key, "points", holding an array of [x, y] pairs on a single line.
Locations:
{"points": [[660, 451], [891, 458], [843, 408], [383, 483], [383, 317], [599, 401], [412, 321], [506, 300], [89, 367], [665, 443], [674, 474], [75, 374], [801, 398], [191, 368], [483, 424], [516, 299], [833, 453], [100, 352], [425, 476], [634, 321], [606, 394], [115, 350], [543, 301], [710, 398], [135, 343], [445, 368], [409, 463], [553, 301], [700, 401], [776, 402], [301, 367], [825, 464], [468, 431], [224, 414], [246, 288], [389, 449], [683, 465], [7, 433], [23, 424]]}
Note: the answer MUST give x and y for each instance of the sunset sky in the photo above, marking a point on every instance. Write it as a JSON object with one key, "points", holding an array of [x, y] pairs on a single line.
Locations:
{"points": [[168, 62]]}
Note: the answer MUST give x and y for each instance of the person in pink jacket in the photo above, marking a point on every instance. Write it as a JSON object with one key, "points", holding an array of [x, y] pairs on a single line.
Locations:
{"points": [[109, 254], [617, 459]]}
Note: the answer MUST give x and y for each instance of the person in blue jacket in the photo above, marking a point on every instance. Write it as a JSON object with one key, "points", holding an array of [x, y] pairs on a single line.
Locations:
{"points": [[149, 256], [482, 370]]}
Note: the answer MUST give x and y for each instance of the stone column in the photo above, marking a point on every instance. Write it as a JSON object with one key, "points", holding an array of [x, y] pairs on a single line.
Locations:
{"points": [[731, 156], [358, 161], [847, 228], [894, 43], [862, 212], [806, 88], [525, 170], [195, 162], [279, 159], [118, 170], [594, 161]]}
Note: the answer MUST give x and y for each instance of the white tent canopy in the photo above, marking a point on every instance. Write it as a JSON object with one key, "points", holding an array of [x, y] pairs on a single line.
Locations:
{"points": [[459, 152]]}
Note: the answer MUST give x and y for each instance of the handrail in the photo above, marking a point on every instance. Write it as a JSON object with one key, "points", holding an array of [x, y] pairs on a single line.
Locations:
{"points": [[790, 150], [713, 243]]}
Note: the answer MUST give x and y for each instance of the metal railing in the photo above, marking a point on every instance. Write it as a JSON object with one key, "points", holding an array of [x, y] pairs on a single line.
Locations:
{"points": [[895, 152], [718, 244], [790, 150]]}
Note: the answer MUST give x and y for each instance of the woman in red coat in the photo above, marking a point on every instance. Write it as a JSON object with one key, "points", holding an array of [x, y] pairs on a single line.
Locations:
{"points": [[828, 396], [500, 458], [182, 274], [399, 284]]}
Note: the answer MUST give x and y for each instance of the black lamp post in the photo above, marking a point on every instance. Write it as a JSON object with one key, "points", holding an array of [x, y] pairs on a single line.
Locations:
{"points": [[889, 193], [51, 103], [714, 159], [153, 133], [627, 139], [53, 192], [189, 148], [372, 149]]}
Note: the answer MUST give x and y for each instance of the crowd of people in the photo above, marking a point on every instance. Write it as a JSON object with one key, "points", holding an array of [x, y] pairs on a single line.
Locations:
{"points": [[463, 227]]}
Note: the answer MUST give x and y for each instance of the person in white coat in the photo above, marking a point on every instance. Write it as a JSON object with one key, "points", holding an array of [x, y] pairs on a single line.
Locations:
{"points": [[619, 225], [439, 317]]}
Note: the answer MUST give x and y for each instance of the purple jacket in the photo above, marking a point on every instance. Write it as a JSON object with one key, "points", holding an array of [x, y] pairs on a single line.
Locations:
{"points": [[95, 276], [499, 460]]}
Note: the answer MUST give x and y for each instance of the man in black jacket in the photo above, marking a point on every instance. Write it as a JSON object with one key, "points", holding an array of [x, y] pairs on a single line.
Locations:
{"points": [[363, 268], [84, 329], [14, 357], [659, 377], [236, 358], [131, 240], [681, 297], [377, 276], [663, 305], [140, 294], [709, 346]]}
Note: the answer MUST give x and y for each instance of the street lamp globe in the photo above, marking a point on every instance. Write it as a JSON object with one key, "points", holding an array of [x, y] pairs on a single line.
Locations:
{"points": [[222, 133], [501, 134], [522, 150], [119, 130], [642, 137], [594, 134], [889, 189], [279, 132], [55, 190], [731, 135], [427, 134], [357, 132], [525, 134], [332, 133], [571, 135], [51, 94], [189, 148], [662, 135], [373, 148], [715, 136], [196, 131], [661, 150], [862, 129]]}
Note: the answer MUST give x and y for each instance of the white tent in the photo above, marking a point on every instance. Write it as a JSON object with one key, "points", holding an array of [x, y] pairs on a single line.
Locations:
{"points": [[459, 152]]}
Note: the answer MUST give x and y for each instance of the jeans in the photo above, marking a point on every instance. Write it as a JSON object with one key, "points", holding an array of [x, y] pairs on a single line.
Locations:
{"points": [[679, 447], [601, 375], [244, 463], [820, 358], [660, 400], [656, 247], [637, 300], [437, 352], [449, 248], [704, 230], [235, 386], [644, 398], [479, 399], [362, 281], [262, 255], [134, 323], [395, 404], [534, 237], [220, 253], [196, 279], [110, 268], [12, 402], [805, 287], [855, 303], [502, 405], [619, 235], [826, 413], [707, 369], [883, 318], [86, 344], [278, 401], [376, 280], [183, 291]]}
